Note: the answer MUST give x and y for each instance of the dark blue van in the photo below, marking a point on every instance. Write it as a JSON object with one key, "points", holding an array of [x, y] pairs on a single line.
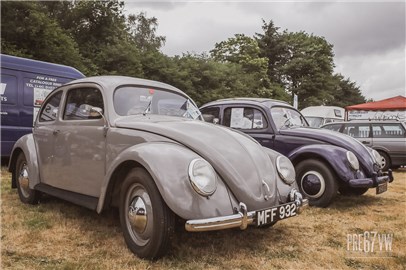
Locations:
{"points": [[24, 85]]}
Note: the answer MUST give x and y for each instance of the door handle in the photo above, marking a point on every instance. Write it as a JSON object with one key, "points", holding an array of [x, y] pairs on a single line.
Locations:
{"points": [[365, 142], [55, 131]]}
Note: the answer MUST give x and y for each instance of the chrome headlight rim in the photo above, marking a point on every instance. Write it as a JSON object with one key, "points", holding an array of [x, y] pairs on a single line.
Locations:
{"points": [[285, 170], [202, 190], [353, 160]]}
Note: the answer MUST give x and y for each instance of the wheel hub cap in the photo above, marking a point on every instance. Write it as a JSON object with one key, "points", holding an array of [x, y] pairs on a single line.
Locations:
{"points": [[24, 180], [137, 215], [313, 184]]}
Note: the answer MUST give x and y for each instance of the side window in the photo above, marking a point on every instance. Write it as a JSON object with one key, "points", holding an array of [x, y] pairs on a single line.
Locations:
{"points": [[388, 131], [357, 131], [333, 127], [244, 118], [210, 113], [50, 109], [79, 103]]}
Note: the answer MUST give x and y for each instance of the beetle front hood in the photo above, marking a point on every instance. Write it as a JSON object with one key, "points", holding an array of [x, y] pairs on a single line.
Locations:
{"points": [[239, 160], [334, 138]]}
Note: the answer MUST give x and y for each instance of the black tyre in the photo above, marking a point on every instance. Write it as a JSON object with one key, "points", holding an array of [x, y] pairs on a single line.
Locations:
{"points": [[316, 182], [386, 162], [348, 191], [146, 220], [22, 176]]}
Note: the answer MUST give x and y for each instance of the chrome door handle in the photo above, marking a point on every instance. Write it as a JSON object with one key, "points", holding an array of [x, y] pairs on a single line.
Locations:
{"points": [[55, 131]]}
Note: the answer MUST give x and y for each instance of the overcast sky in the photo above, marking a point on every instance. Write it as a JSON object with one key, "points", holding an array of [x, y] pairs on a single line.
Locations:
{"points": [[368, 37]]}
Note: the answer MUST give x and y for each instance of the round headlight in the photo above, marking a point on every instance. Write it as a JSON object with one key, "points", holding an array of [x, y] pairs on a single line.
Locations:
{"points": [[352, 159], [285, 169], [202, 177], [377, 157]]}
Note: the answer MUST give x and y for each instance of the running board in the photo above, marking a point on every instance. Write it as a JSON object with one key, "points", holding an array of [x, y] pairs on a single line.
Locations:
{"points": [[73, 197]]}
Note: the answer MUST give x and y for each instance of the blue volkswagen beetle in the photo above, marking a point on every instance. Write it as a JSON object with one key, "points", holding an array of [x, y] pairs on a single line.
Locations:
{"points": [[326, 162]]}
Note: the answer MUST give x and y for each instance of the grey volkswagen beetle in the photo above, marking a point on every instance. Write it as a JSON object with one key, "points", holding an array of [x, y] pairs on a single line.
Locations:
{"points": [[139, 145]]}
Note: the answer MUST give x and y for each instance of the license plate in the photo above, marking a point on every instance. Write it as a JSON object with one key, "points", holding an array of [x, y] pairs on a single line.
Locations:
{"points": [[271, 215], [382, 188]]}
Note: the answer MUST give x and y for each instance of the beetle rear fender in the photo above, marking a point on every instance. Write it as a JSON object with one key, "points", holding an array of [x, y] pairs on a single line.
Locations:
{"points": [[334, 156], [168, 165], [25, 145]]}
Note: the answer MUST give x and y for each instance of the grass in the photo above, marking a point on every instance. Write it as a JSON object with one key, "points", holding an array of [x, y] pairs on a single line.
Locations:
{"points": [[59, 235]]}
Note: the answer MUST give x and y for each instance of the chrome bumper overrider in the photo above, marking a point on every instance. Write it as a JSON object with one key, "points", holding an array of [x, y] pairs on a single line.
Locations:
{"points": [[242, 219]]}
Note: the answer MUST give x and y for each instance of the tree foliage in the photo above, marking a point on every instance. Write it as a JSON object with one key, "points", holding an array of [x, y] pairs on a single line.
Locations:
{"points": [[97, 38]]}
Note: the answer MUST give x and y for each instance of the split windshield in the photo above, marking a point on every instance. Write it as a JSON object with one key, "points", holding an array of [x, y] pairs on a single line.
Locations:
{"points": [[284, 117], [131, 100]]}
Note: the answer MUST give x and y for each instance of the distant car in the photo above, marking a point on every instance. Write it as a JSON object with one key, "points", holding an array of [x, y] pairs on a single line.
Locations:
{"points": [[388, 137], [325, 161], [142, 146], [317, 116]]}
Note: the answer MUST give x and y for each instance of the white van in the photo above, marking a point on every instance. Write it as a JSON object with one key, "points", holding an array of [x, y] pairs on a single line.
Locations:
{"points": [[320, 115]]}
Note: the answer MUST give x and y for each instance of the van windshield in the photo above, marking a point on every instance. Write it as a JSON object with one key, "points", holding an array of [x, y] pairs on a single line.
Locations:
{"points": [[314, 121], [284, 117]]}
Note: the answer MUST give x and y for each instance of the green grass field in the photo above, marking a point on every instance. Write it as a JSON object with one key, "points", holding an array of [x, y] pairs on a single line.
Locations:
{"points": [[59, 235]]}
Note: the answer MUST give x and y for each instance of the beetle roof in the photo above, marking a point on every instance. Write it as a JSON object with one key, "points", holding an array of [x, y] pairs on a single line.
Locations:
{"points": [[110, 83], [271, 102]]}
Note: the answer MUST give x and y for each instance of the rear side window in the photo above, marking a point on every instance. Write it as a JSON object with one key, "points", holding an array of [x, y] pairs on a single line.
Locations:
{"points": [[244, 118], [333, 127], [51, 107], [388, 130], [357, 130], [212, 112], [79, 103]]}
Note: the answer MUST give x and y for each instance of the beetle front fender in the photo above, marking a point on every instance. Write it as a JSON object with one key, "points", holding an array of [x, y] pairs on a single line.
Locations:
{"points": [[25, 145], [334, 156], [168, 165]]}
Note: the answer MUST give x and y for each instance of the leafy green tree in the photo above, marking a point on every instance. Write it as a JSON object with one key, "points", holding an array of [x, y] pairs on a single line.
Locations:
{"points": [[27, 31], [345, 93], [143, 32]]}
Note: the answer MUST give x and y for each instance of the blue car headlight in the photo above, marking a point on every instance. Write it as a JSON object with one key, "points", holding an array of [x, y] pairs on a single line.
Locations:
{"points": [[352, 159], [202, 177]]}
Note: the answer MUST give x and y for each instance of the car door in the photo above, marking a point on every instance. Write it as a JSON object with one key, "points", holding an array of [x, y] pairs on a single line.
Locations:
{"points": [[80, 143], [250, 120], [359, 131], [44, 136]]}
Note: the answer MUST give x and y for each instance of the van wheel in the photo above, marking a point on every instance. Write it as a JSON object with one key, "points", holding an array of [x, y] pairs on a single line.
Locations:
{"points": [[146, 220], [316, 182], [348, 191], [385, 162], [22, 176]]}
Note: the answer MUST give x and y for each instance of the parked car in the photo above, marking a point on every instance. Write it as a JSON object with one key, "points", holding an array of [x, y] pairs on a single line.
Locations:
{"points": [[24, 85], [388, 137], [325, 161], [317, 116], [141, 146]]}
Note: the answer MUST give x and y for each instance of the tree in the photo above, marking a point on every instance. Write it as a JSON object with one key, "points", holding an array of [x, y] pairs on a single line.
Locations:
{"points": [[27, 31], [143, 32]]}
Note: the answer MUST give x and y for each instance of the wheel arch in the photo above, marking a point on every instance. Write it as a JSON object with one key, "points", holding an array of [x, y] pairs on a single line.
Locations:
{"points": [[25, 145], [171, 178], [332, 156]]}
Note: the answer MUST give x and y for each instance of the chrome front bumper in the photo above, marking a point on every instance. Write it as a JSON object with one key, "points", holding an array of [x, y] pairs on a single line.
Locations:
{"points": [[240, 220]]}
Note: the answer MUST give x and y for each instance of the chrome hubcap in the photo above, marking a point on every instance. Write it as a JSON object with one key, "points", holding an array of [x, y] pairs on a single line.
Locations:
{"points": [[139, 217], [23, 180], [313, 184]]}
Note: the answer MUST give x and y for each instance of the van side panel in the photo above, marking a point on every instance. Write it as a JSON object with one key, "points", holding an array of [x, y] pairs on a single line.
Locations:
{"points": [[24, 85]]}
